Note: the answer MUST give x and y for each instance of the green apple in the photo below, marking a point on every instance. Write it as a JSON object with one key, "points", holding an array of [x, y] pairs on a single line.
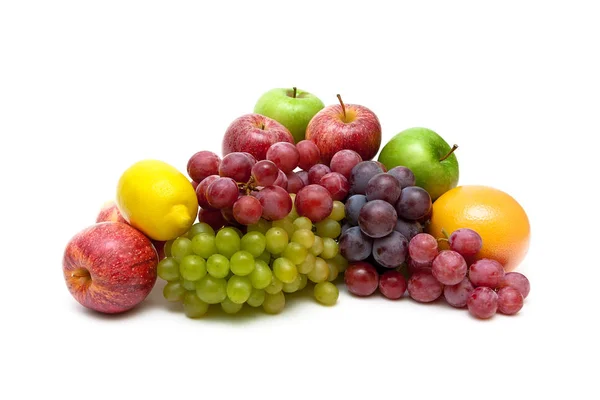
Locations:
{"points": [[427, 155], [292, 108]]}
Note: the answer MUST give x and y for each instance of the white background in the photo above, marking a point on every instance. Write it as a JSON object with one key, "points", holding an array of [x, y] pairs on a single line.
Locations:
{"points": [[88, 88]]}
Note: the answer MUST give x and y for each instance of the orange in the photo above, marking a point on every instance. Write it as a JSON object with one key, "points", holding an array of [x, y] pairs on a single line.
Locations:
{"points": [[497, 217]]}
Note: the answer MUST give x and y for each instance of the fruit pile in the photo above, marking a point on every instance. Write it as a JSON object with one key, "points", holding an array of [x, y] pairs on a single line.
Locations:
{"points": [[295, 202]]}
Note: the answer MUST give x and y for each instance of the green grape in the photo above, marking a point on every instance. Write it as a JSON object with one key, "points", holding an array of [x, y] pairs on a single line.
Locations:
{"points": [[230, 307], [254, 243], [217, 266], [285, 224], [192, 267], [239, 289], [277, 239], [303, 281], [317, 247], [305, 237], [338, 212], [293, 213], [293, 286], [204, 245], [167, 248], [188, 285], [238, 231], [265, 256], [200, 227], [256, 297], [174, 291], [228, 241], [193, 306], [274, 303], [262, 275], [285, 270], [340, 262], [330, 248], [320, 272], [168, 269], [181, 247], [211, 290], [308, 264], [328, 228], [333, 271], [303, 223], [241, 263], [295, 252], [326, 293], [261, 226], [275, 286]]}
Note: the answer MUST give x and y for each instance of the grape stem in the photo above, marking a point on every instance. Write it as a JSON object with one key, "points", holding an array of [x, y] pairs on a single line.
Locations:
{"points": [[445, 234], [295, 90], [343, 106], [454, 147]]}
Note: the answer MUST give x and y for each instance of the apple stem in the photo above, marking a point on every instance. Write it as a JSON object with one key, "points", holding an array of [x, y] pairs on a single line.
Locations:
{"points": [[343, 106], [295, 90], [454, 147]]}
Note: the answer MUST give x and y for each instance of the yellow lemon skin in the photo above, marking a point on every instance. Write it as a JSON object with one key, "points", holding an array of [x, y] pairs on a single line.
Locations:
{"points": [[157, 199]]}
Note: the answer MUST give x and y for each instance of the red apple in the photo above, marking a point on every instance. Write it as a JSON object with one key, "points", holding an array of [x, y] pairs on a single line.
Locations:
{"points": [[110, 267], [345, 126], [110, 212], [254, 134]]}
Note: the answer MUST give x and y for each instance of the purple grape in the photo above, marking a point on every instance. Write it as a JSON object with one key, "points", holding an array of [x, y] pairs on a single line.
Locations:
{"points": [[377, 218], [408, 228], [404, 175], [390, 251], [383, 187], [414, 203], [354, 245], [360, 175], [353, 206]]}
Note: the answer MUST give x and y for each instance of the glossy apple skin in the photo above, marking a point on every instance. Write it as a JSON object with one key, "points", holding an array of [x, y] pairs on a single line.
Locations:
{"points": [[110, 267], [329, 131], [110, 213], [292, 112], [254, 134]]}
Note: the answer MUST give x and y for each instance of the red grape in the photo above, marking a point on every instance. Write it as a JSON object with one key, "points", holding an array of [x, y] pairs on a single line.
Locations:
{"points": [[214, 218], [227, 214], [482, 302], [390, 251], [354, 245], [343, 161], [361, 278], [465, 241], [414, 203], [222, 193], [265, 173], [486, 272], [408, 228], [377, 218], [304, 176], [449, 267], [316, 172], [423, 248], [510, 300], [203, 164], [194, 184], [294, 182], [457, 295], [201, 190], [392, 285], [423, 287], [336, 184], [285, 155], [404, 175], [314, 202], [236, 166], [353, 206], [275, 201], [281, 180], [309, 154], [383, 187], [250, 157], [360, 175], [415, 266], [247, 210], [518, 281]]}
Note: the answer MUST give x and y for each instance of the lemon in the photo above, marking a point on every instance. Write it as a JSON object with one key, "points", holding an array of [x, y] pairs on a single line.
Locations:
{"points": [[157, 199]]}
